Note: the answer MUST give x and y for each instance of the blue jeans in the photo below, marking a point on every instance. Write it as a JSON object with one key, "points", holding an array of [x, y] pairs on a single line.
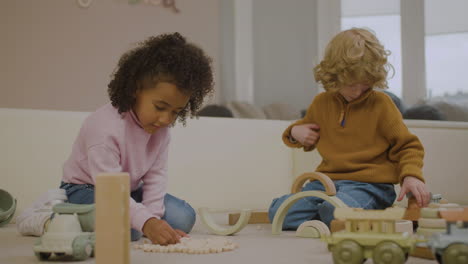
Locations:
{"points": [[178, 214], [352, 193]]}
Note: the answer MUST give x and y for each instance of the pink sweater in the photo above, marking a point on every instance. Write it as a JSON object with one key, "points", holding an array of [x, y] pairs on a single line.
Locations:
{"points": [[110, 142]]}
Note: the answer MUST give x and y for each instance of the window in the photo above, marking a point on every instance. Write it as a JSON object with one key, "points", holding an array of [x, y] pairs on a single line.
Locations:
{"points": [[383, 18], [446, 49]]}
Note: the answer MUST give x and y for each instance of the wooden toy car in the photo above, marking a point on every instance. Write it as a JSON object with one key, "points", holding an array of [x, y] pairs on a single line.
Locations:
{"points": [[452, 246], [369, 234], [65, 234]]}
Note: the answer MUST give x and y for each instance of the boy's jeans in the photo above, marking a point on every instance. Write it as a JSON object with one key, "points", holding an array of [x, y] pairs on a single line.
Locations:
{"points": [[178, 214], [352, 193]]}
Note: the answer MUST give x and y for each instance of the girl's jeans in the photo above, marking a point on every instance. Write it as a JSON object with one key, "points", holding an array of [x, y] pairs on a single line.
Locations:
{"points": [[178, 214], [352, 193]]}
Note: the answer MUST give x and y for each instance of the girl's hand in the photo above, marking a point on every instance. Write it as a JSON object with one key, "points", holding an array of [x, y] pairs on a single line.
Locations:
{"points": [[306, 134], [160, 232], [417, 188], [181, 233]]}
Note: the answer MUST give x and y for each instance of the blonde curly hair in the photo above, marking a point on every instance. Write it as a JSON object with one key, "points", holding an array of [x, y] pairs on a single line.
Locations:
{"points": [[353, 56]]}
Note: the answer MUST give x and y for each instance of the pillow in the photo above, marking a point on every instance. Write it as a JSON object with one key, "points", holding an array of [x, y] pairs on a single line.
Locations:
{"points": [[281, 111], [245, 110], [451, 110]]}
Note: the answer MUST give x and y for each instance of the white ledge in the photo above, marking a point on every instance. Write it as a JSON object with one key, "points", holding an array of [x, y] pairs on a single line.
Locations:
{"points": [[436, 124]]}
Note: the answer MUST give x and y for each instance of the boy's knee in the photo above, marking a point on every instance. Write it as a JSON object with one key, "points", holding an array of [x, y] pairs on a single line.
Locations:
{"points": [[326, 211], [273, 208]]}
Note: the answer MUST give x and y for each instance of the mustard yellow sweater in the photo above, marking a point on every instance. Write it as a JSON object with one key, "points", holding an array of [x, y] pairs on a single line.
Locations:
{"points": [[372, 145]]}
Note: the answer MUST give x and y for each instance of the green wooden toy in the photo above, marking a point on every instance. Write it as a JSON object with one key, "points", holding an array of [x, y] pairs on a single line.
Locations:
{"points": [[369, 234], [7, 207]]}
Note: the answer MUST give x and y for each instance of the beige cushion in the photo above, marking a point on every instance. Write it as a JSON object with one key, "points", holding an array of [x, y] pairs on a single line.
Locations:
{"points": [[451, 111], [245, 110], [281, 111]]}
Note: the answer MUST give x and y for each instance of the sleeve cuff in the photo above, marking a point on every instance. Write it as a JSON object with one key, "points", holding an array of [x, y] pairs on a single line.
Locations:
{"points": [[290, 142], [413, 173], [287, 138], [139, 220]]}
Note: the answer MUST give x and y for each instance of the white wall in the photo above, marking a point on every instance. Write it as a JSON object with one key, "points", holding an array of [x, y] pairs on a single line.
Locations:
{"points": [[285, 51], [269, 51]]}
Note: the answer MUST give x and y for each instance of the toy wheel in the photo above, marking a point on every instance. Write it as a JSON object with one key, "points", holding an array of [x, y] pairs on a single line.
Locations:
{"points": [[42, 255], [93, 244], [347, 252], [388, 253], [456, 254], [82, 248]]}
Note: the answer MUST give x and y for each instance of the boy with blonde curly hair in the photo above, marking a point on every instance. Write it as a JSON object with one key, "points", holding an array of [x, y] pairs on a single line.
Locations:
{"points": [[358, 131]]}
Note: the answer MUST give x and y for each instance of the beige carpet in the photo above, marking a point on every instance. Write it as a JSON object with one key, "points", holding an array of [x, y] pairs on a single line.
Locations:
{"points": [[256, 245]]}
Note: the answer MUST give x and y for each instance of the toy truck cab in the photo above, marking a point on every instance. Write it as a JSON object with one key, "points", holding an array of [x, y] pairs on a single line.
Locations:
{"points": [[452, 246]]}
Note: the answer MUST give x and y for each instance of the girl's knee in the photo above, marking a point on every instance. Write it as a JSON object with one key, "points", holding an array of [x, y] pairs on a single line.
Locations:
{"points": [[82, 195], [186, 221], [135, 235], [179, 214]]}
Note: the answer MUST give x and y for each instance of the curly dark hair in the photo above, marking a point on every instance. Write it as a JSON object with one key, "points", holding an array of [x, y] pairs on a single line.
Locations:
{"points": [[169, 58]]}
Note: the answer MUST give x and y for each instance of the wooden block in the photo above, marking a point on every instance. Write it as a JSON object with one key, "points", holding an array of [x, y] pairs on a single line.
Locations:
{"points": [[422, 252], [413, 211], [432, 223], [428, 232], [402, 226], [432, 213], [337, 225], [258, 217], [391, 213], [112, 218], [453, 215]]}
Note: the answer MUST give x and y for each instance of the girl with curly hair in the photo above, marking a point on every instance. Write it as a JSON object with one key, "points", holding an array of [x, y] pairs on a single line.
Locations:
{"points": [[163, 79], [359, 132]]}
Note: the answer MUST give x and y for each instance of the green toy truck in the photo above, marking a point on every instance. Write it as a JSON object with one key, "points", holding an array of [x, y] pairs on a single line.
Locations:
{"points": [[452, 247], [369, 234], [68, 233]]}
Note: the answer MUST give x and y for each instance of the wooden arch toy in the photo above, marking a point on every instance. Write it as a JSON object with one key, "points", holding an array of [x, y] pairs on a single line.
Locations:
{"points": [[328, 195], [313, 229], [208, 221], [324, 179]]}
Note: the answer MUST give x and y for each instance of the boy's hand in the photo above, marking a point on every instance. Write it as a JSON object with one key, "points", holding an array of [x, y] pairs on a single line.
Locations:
{"points": [[417, 188], [160, 232], [306, 134]]}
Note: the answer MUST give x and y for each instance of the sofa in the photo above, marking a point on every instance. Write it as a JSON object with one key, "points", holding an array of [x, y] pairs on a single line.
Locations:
{"points": [[213, 162], [220, 163]]}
